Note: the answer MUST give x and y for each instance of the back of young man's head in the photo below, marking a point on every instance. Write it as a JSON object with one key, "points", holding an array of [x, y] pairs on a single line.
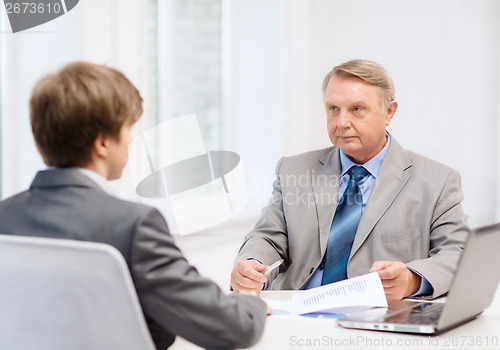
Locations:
{"points": [[72, 107]]}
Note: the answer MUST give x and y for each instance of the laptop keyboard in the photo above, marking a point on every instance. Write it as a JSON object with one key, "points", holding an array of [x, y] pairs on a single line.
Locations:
{"points": [[426, 313]]}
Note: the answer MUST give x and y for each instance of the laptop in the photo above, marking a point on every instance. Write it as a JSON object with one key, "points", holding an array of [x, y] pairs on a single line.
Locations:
{"points": [[471, 292]]}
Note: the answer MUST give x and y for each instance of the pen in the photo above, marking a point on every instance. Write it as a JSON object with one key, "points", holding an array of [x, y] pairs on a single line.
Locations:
{"points": [[272, 267]]}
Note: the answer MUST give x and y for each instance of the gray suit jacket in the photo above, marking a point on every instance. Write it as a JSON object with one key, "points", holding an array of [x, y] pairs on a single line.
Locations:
{"points": [[413, 215], [175, 299]]}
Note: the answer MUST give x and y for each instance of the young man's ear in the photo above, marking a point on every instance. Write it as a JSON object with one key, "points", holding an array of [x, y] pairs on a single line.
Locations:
{"points": [[100, 146]]}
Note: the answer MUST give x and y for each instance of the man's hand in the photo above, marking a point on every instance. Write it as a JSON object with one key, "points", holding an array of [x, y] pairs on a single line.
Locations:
{"points": [[398, 281], [247, 276]]}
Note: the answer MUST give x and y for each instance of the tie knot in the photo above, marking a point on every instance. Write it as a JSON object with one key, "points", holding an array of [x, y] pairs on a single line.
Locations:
{"points": [[357, 173]]}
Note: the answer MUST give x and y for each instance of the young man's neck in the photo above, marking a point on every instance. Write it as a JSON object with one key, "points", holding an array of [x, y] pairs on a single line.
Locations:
{"points": [[98, 168]]}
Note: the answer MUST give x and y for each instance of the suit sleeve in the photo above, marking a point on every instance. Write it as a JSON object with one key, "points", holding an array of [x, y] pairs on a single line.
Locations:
{"points": [[268, 241], [180, 300], [448, 232]]}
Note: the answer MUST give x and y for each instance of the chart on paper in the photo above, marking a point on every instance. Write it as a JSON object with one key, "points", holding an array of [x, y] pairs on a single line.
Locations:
{"points": [[342, 297]]}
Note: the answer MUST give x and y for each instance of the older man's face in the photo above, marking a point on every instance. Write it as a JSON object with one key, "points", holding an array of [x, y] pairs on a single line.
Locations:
{"points": [[356, 119]]}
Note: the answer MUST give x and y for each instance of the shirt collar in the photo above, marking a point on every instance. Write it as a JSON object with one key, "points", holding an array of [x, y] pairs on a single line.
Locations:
{"points": [[373, 165], [101, 181]]}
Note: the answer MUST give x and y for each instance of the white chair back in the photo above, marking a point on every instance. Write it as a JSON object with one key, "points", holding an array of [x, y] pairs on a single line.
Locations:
{"points": [[60, 294]]}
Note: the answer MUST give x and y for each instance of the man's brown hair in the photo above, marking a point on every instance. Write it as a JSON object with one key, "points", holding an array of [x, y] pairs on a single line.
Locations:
{"points": [[72, 107]]}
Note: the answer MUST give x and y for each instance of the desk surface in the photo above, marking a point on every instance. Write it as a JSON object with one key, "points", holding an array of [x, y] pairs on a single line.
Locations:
{"points": [[304, 333]]}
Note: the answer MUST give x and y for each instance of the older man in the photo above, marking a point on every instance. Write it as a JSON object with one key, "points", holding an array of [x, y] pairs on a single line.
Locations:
{"points": [[365, 204]]}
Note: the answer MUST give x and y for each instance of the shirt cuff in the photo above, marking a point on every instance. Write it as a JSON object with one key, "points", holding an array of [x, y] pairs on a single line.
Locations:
{"points": [[425, 286]]}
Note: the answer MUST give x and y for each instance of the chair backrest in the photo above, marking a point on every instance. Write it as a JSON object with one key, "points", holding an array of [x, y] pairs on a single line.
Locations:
{"points": [[60, 294]]}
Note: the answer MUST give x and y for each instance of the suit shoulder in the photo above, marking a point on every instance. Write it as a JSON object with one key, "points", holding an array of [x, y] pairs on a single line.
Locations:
{"points": [[420, 165], [128, 207], [426, 164], [14, 200], [307, 159]]}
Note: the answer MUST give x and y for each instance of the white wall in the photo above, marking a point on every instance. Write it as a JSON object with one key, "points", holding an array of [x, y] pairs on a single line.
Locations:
{"points": [[112, 32], [24, 58], [443, 57]]}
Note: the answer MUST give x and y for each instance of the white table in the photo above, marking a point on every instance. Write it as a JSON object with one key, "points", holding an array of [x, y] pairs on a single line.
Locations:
{"points": [[304, 333]]}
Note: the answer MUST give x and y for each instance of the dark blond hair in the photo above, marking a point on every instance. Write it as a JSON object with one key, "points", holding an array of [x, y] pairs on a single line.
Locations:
{"points": [[368, 71], [72, 107]]}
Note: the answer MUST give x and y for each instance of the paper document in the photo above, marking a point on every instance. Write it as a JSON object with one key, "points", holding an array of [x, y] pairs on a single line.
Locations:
{"points": [[280, 307], [343, 297]]}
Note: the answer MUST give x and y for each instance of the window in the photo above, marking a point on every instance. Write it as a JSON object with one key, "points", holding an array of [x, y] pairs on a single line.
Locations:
{"points": [[189, 63], [179, 161]]}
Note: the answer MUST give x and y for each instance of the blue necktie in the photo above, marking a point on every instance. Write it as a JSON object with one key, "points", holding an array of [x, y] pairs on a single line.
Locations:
{"points": [[344, 226]]}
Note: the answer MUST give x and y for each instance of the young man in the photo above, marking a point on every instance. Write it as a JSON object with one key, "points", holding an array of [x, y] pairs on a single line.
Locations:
{"points": [[81, 118]]}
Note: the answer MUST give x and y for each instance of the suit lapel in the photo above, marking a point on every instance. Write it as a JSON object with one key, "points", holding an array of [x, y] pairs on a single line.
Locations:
{"points": [[325, 183], [392, 177]]}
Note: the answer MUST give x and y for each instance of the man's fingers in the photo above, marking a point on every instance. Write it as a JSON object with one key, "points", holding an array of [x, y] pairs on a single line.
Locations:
{"points": [[389, 283], [246, 285], [246, 276], [388, 270], [259, 267], [379, 265], [269, 311], [398, 281], [246, 282], [250, 292], [252, 270], [388, 273]]}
